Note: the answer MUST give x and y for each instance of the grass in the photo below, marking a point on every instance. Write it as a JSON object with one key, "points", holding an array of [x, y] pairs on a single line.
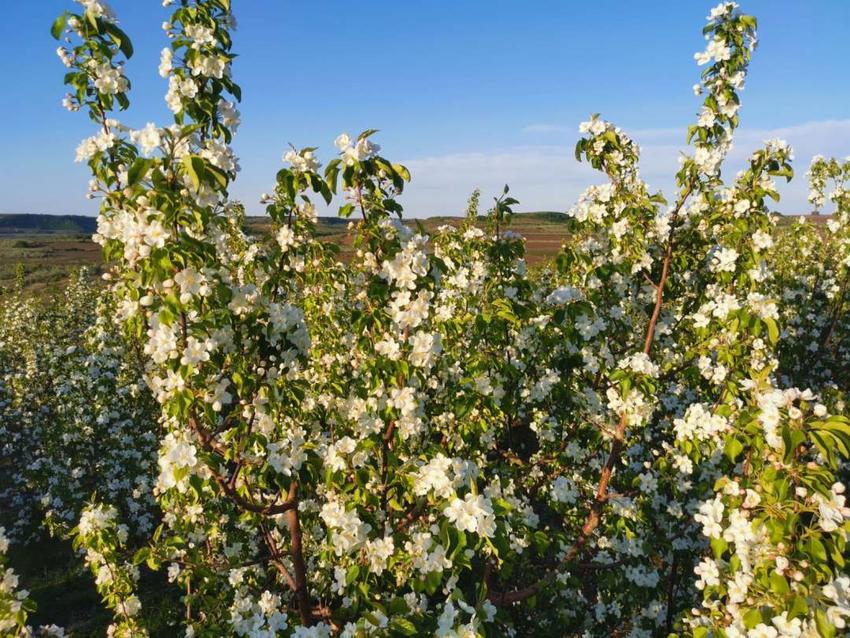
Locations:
{"points": [[65, 595]]}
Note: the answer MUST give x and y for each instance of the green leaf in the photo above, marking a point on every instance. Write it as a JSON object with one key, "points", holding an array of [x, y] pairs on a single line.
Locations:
{"points": [[432, 581], [793, 439], [372, 618], [217, 174], [352, 574], [58, 26], [772, 330], [542, 541], [121, 39], [834, 426], [195, 169], [752, 618], [501, 506], [93, 21], [138, 170], [332, 173], [404, 626], [579, 149], [817, 550], [718, 547], [402, 171], [825, 628], [141, 555], [799, 608], [778, 584], [733, 449], [822, 443]]}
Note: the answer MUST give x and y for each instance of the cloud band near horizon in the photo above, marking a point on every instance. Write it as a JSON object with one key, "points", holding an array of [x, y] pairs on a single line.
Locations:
{"points": [[546, 175]]}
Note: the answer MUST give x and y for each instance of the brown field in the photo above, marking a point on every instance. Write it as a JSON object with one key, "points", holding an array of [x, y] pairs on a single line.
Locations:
{"points": [[45, 260], [544, 237]]}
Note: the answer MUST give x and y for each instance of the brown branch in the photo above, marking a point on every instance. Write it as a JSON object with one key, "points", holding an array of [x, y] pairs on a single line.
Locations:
{"points": [[411, 516], [594, 515], [386, 447], [229, 490], [590, 524], [302, 596], [275, 556], [671, 595], [298, 582]]}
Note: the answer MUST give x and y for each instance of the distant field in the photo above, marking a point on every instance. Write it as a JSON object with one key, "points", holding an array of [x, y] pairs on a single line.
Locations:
{"points": [[45, 260], [47, 248]]}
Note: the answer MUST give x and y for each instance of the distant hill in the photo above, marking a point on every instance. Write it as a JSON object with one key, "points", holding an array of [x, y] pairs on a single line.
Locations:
{"points": [[34, 224], [543, 216], [529, 217], [31, 224], [260, 220]]}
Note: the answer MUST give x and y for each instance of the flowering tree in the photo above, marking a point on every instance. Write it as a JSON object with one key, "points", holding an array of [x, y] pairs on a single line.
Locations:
{"points": [[435, 439], [813, 264], [76, 415]]}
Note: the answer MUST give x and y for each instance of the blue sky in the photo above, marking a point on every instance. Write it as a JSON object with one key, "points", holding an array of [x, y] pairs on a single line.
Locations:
{"points": [[471, 93]]}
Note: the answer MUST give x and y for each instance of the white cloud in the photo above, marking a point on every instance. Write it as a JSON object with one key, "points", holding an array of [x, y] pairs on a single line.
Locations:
{"points": [[548, 177]]}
